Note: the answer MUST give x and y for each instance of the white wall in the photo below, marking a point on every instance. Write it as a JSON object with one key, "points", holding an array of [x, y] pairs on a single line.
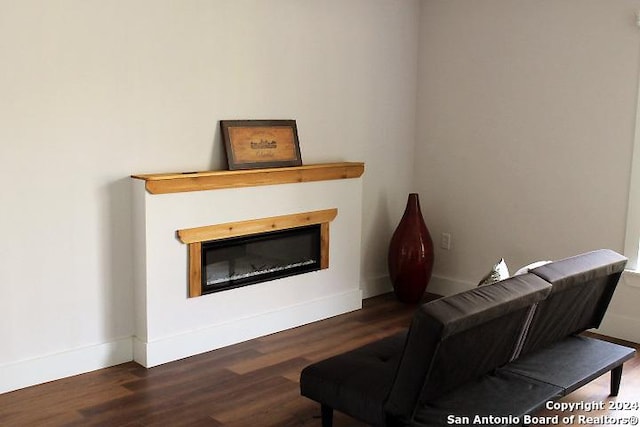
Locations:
{"points": [[93, 91], [526, 118]]}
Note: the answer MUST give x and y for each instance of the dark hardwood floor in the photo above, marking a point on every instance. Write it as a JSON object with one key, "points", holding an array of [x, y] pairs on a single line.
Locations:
{"points": [[249, 384]]}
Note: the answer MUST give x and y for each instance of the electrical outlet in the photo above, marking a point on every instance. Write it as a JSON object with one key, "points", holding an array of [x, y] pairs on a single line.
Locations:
{"points": [[445, 241]]}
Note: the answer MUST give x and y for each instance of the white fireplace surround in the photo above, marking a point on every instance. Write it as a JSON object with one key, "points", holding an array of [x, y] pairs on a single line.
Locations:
{"points": [[171, 326]]}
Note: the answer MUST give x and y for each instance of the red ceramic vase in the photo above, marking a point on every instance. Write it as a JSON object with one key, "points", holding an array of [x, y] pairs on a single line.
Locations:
{"points": [[411, 254]]}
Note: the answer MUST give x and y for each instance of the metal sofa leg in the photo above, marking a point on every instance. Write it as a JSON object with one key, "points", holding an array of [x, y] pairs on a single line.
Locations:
{"points": [[327, 415], [616, 377]]}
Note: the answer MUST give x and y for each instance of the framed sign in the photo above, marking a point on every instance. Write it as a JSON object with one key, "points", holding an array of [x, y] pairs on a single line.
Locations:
{"points": [[252, 144]]}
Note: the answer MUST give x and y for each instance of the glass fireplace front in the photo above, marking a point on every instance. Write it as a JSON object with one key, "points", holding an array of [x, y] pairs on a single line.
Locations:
{"points": [[240, 261]]}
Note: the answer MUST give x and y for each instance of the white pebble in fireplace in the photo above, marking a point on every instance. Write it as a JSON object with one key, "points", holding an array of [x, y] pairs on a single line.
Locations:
{"points": [[170, 325]]}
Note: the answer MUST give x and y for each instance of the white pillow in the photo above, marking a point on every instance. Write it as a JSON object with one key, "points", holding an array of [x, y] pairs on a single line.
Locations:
{"points": [[526, 268], [498, 272]]}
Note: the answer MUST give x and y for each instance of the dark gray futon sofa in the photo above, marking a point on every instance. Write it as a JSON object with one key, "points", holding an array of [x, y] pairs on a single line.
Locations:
{"points": [[500, 350]]}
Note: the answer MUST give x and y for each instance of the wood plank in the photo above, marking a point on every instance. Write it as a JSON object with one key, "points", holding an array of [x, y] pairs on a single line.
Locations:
{"points": [[195, 269], [324, 245], [215, 180], [255, 226]]}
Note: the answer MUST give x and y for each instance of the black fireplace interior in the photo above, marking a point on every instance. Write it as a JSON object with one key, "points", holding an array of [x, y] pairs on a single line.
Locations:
{"points": [[240, 261]]}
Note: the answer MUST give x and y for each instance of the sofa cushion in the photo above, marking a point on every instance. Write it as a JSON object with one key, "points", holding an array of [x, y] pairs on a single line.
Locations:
{"points": [[577, 360], [582, 289], [356, 382], [485, 397], [461, 337]]}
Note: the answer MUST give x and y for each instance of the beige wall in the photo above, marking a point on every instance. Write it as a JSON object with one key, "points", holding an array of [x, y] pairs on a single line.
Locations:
{"points": [[526, 123], [93, 91], [526, 118]]}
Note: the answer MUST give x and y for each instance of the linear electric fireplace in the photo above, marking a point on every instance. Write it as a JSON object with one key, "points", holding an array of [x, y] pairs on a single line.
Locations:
{"points": [[245, 260], [228, 256]]}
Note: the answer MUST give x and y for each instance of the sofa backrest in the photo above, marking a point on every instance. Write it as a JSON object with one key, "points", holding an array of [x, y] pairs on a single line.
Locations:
{"points": [[582, 289], [461, 337]]}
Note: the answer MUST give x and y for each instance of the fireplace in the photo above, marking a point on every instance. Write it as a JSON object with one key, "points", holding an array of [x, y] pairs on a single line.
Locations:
{"points": [[231, 255], [175, 215], [246, 260]]}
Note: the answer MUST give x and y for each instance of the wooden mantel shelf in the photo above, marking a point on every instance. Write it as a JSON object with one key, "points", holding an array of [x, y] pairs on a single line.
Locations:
{"points": [[215, 180]]}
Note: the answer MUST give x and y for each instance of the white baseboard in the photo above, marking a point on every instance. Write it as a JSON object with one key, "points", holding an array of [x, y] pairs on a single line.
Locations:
{"points": [[52, 367], [43, 369], [376, 286], [437, 285], [17, 375], [168, 349]]}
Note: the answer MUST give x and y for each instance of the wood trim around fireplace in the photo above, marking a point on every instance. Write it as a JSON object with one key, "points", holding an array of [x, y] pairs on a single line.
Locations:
{"points": [[215, 180], [255, 226], [195, 269], [194, 237]]}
